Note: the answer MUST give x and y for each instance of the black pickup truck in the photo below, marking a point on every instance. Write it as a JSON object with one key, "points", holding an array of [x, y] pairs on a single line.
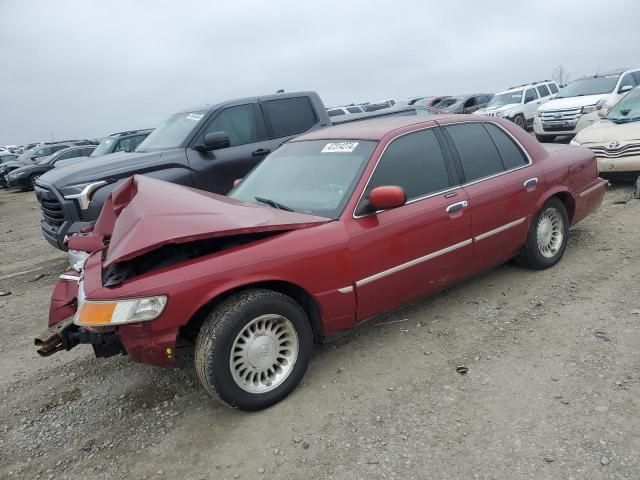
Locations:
{"points": [[206, 147]]}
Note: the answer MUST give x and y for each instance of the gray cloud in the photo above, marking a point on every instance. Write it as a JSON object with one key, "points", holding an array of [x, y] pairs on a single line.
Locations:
{"points": [[88, 68]]}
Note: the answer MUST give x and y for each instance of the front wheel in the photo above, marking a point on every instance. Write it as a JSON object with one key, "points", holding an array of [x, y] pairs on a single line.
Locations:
{"points": [[253, 349], [547, 237], [519, 120], [32, 181]]}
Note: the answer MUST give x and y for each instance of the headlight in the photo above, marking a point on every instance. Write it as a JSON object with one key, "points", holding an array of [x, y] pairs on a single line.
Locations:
{"points": [[119, 312], [500, 114], [573, 142], [82, 192], [593, 108]]}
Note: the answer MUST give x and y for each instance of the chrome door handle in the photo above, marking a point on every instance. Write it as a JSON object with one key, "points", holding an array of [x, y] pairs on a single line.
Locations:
{"points": [[532, 182], [454, 207]]}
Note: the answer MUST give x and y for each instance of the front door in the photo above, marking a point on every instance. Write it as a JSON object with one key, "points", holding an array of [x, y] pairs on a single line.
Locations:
{"points": [[405, 252], [215, 171]]}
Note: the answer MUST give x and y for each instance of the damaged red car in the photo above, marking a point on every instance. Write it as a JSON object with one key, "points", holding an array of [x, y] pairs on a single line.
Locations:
{"points": [[330, 230]]}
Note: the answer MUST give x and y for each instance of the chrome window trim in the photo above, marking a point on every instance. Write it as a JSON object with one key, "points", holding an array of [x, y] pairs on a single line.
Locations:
{"points": [[411, 263], [500, 229], [456, 187], [348, 289]]}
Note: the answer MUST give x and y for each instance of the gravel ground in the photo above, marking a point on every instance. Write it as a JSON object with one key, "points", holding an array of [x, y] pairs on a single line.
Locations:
{"points": [[552, 389]]}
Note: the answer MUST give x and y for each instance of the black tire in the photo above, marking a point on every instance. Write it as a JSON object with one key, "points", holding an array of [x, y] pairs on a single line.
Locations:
{"points": [[32, 181], [546, 138], [531, 256], [520, 121], [220, 330]]}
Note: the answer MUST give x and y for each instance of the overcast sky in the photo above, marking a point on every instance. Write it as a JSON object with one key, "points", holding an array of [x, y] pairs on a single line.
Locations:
{"points": [[84, 68]]}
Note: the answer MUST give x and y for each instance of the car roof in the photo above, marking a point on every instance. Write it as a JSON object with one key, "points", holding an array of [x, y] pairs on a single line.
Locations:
{"points": [[237, 101], [377, 128]]}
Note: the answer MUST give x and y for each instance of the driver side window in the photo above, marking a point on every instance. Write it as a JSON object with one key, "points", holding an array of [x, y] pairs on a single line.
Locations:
{"points": [[239, 122], [470, 103], [627, 80], [414, 162], [530, 95]]}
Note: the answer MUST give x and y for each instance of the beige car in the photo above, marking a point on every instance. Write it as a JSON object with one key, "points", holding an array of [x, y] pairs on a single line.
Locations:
{"points": [[616, 139]]}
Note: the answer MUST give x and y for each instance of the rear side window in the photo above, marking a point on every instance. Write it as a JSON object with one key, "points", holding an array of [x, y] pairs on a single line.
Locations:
{"points": [[354, 110], [543, 90], [414, 162], [512, 155], [553, 88], [288, 116], [476, 150], [238, 122]]}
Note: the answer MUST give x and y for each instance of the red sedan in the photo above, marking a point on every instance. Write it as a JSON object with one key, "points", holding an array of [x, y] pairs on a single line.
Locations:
{"points": [[332, 229]]}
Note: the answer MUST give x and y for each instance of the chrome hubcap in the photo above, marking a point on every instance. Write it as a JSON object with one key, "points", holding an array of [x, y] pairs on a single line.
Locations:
{"points": [[550, 232], [264, 353]]}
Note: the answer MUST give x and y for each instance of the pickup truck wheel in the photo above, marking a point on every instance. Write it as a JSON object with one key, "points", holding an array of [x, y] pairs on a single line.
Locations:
{"points": [[253, 349], [547, 237], [546, 138], [519, 120]]}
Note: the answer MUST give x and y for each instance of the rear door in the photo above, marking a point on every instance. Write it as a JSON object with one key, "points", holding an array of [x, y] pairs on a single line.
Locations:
{"points": [[503, 187], [215, 171], [405, 252]]}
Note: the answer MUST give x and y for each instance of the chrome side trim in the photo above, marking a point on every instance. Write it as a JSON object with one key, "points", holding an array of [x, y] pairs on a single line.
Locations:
{"points": [[72, 278], [507, 226], [346, 289], [411, 263], [595, 187]]}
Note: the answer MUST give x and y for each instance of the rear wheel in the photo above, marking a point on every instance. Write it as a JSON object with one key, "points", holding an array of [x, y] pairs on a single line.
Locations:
{"points": [[253, 349], [547, 237], [546, 138]]}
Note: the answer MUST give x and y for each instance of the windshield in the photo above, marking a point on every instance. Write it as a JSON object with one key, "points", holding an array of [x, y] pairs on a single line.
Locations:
{"points": [[105, 147], [450, 103], [627, 109], [25, 156], [506, 98], [315, 177], [172, 132], [589, 86], [46, 160]]}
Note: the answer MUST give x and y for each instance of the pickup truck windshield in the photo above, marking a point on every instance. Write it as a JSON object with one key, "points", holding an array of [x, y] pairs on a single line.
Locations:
{"points": [[105, 147], [315, 177], [589, 86], [507, 98], [172, 132], [627, 109]]}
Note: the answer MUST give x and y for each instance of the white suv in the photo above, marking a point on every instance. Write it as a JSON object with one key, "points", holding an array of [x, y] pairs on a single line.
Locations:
{"points": [[577, 104], [519, 104]]}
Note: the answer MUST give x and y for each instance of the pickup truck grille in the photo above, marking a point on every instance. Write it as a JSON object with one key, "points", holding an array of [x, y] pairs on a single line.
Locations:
{"points": [[560, 119], [631, 150], [50, 206]]}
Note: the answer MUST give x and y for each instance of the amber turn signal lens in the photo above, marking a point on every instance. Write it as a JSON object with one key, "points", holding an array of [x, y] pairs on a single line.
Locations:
{"points": [[91, 313]]}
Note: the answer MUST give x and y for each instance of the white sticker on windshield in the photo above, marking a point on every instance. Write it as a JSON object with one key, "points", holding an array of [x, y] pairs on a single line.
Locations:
{"points": [[339, 147], [195, 116]]}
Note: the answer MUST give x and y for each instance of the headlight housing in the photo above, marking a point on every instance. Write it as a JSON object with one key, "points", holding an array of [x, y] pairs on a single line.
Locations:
{"points": [[574, 142], [119, 312], [82, 192], [593, 108]]}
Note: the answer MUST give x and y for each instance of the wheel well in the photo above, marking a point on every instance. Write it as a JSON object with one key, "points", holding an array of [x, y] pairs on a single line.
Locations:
{"points": [[301, 296], [569, 203]]}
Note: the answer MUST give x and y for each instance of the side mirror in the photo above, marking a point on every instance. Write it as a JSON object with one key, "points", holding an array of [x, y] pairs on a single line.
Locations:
{"points": [[214, 141], [624, 89], [384, 198], [237, 182], [603, 112]]}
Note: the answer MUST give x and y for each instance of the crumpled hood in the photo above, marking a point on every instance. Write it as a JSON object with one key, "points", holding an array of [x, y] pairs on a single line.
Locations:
{"points": [[606, 131], [570, 102], [114, 165], [143, 214]]}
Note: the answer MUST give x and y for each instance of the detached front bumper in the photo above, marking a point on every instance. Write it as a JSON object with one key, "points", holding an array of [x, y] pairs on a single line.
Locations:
{"points": [[140, 341]]}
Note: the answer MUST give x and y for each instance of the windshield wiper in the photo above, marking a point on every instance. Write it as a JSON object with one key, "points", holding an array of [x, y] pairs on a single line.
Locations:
{"points": [[273, 203]]}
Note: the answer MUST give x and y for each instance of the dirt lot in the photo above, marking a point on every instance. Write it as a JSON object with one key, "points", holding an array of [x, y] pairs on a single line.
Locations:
{"points": [[552, 391]]}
